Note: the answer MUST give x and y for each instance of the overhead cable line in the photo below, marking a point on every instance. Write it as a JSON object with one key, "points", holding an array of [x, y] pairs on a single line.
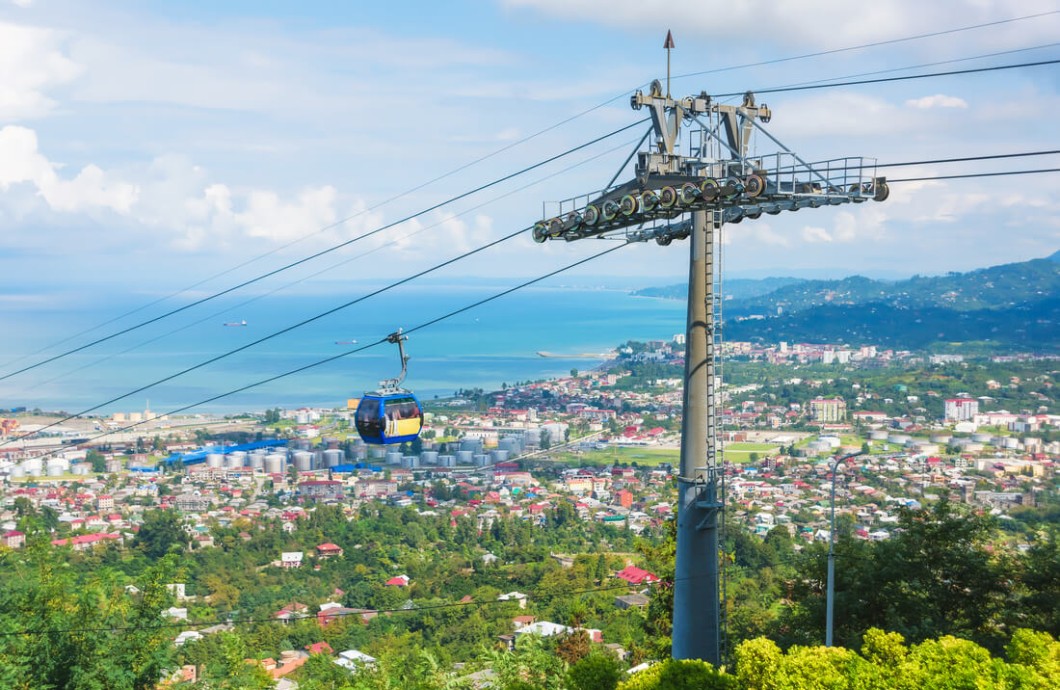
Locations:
{"points": [[323, 252], [882, 80], [326, 359], [389, 287], [971, 175], [526, 139], [384, 289], [875, 44], [333, 266]]}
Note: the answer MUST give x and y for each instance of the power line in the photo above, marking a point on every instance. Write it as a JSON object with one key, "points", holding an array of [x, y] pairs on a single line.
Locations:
{"points": [[384, 289], [875, 44], [966, 159], [971, 175], [336, 265], [882, 80], [522, 141], [301, 261], [332, 358]]}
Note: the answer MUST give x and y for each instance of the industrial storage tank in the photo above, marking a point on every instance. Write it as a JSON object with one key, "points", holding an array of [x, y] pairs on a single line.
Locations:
{"points": [[303, 460], [512, 444], [32, 467], [17, 471], [429, 457], [376, 452], [215, 460], [256, 461], [901, 439], [58, 467], [447, 461], [81, 468], [982, 438], [237, 459], [334, 456], [941, 439], [498, 456], [481, 460], [879, 435], [472, 444], [464, 457], [1007, 442], [410, 462], [393, 457], [275, 463]]}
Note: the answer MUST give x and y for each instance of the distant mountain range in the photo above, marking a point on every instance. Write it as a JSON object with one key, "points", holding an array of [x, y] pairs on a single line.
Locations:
{"points": [[1001, 308]]}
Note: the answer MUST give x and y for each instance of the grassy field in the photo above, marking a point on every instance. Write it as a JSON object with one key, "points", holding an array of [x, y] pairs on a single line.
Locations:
{"points": [[650, 457]]}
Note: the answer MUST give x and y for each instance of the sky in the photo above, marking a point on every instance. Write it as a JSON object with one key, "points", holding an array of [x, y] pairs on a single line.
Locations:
{"points": [[148, 147]]}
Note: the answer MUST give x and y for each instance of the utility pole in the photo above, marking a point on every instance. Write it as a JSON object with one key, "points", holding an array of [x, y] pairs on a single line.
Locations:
{"points": [[829, 613], [717, 182]]}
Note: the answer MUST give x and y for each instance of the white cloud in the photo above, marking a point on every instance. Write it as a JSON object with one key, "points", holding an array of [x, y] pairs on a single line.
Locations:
{"points": [[31, 62], [937, 101], [91, 188], [814, 234], [821, 24]]}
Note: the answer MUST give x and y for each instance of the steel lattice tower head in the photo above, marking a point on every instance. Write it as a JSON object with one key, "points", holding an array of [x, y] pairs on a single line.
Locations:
{"points": [[718, 177]]}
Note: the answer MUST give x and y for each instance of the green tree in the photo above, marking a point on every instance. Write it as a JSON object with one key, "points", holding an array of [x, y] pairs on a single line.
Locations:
{"points": [[598, 670], [96, 459], [675, 674], [161, 531]]}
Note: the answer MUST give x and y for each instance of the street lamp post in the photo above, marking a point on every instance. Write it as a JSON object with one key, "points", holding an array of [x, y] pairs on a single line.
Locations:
{"points": [[830, 594]]}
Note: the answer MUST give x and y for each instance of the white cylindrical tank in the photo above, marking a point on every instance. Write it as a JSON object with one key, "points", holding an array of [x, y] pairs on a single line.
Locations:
{"points": [[447, 461], [256, 461], [58, 467], [410, 462], [941, 439], [32, 467], [215, 460], [1009, 442], [900, 439], [464, 457], [472, 444], [498, 455], [275, 463], [303, 460], [429, 457], [982, 438], [17, 471], [879, 435], [481, 460], [81, 468], [237, 458], [334, 456], [376, 452], [393, 457]]}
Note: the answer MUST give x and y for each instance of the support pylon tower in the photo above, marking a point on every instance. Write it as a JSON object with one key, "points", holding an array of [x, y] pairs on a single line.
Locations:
{"points": [[718, 181]]}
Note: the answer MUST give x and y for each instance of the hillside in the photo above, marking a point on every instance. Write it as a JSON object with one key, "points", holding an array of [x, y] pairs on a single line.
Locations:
{"points": [[1007, 307]]}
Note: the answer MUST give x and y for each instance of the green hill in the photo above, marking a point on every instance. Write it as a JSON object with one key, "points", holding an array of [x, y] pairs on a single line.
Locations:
{"points": [[1009, 307]]}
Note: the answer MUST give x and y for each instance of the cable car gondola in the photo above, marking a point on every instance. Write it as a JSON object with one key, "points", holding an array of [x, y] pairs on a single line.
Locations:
{"points": [[390, 414]]}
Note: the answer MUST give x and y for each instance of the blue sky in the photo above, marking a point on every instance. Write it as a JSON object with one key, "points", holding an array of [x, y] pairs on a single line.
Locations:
{"points": [[145, 146]]}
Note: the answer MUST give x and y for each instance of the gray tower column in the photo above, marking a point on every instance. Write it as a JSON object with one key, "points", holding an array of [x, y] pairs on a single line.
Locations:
{"points": [[696, 631]]}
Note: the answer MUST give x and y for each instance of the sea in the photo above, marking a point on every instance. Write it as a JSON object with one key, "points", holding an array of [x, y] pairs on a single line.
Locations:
{"points": [[198, 362]]}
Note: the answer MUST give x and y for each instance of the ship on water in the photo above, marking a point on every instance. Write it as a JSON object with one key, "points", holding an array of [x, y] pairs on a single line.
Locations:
{"points": [[236, 323]]}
